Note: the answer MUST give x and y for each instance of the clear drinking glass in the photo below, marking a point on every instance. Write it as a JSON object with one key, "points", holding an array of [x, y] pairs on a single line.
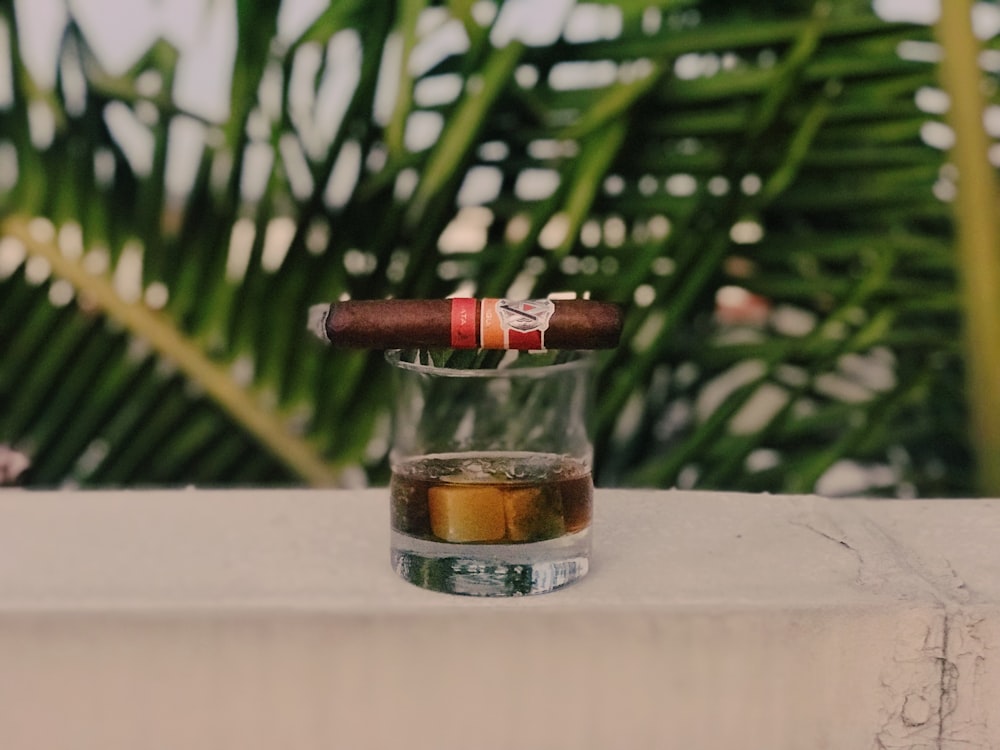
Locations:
{"points": [[491, 491]]}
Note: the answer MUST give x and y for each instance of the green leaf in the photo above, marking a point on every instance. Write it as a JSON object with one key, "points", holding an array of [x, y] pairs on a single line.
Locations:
{"points": [[753, 182]]}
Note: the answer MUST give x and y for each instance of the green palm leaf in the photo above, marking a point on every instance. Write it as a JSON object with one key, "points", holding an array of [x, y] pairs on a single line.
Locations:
{"points": [[671, 156]]}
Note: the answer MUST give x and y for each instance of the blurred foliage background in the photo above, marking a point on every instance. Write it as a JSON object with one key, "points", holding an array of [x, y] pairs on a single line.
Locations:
{"points": [[770, 189]]}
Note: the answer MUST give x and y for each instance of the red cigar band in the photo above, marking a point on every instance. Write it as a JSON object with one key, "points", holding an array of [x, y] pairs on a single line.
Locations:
{"points": [[463, 323]]}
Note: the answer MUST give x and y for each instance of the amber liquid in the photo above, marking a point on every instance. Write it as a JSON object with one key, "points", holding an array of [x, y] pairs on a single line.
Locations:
{"points": [[491, 498]]}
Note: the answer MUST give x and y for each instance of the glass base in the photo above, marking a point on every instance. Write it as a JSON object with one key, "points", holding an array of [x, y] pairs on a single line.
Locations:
{"points": [[492, 569]]}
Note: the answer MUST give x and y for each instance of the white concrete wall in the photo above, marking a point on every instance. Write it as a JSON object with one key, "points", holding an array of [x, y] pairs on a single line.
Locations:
{"points": [[194, 619]]}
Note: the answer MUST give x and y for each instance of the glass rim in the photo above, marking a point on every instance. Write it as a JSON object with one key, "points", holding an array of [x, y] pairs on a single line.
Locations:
{"points": [[582, 360]]}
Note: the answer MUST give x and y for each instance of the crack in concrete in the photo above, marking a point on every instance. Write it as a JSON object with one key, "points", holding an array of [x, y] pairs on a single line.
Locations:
{"points": [[936, 705], [947, 687], [841, 542], [950, 592], [962, 716], [911, 685]]}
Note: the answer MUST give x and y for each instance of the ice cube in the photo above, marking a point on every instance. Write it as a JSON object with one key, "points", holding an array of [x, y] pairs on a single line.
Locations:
{"points": [[533, 514], [466, 513]]}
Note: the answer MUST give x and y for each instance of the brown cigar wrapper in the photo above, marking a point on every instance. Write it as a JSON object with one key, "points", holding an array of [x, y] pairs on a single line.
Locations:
{"points": [[427, 324]]}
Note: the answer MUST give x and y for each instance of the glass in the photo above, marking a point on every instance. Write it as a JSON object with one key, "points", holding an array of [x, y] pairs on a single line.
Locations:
{"points": [[491, 491]]}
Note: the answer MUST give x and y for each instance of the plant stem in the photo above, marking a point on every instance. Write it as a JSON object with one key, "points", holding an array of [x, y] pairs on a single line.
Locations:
{"points": [[978, 235]]}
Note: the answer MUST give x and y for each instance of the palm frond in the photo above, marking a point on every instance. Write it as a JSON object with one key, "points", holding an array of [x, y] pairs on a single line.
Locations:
{"points": [[752, 183]]}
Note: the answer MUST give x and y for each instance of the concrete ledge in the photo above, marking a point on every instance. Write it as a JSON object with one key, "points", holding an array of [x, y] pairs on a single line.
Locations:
{"points": [[270, 619]]}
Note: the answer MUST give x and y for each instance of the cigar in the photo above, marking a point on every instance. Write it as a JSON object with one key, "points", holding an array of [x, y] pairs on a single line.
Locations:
{"points": [[463, 323]]}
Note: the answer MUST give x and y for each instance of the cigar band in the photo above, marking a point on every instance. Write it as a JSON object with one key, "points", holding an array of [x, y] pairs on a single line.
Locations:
{"points": [[463, 324], [514, 325]]}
